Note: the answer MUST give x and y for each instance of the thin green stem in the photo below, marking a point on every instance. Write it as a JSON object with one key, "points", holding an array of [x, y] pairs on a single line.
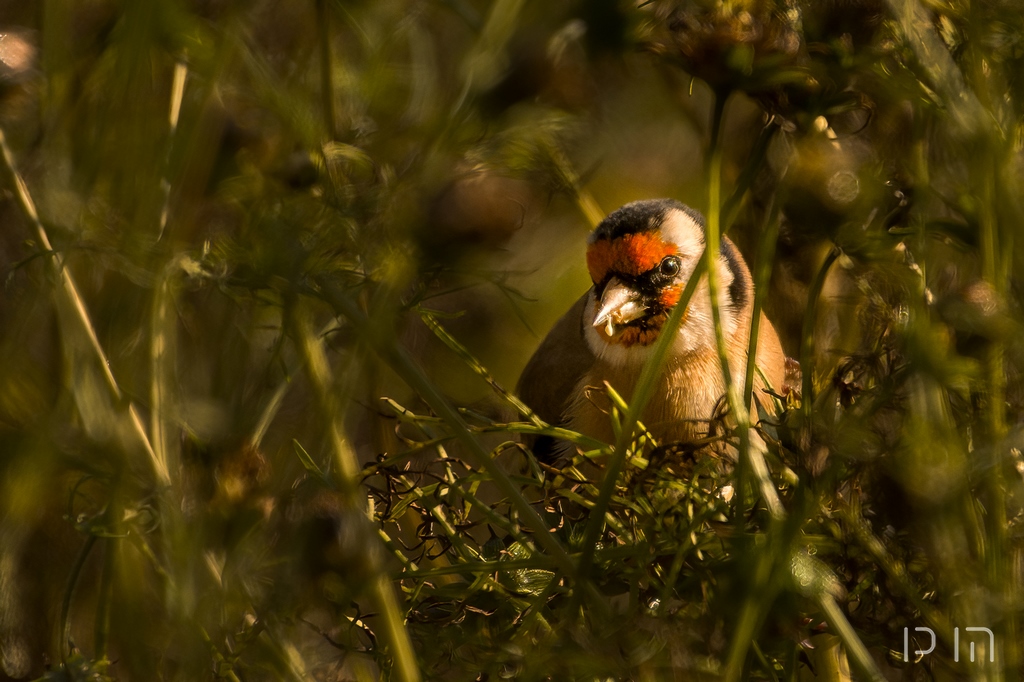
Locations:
{"points": [[713, 248], [994, 271], [750, 170], [807, 346], [762, 274], [641, 396], [752, 458], [648, 376], [318, 370], [761, 593], [64, 622], [763, 660], [478, 368], [273, 404], [106, 594], [111, 555], [347, 472], [223, 666], [861, 657]]}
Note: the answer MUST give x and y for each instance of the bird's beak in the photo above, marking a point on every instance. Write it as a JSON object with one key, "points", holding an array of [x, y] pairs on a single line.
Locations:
{"points": [[619, 305]]}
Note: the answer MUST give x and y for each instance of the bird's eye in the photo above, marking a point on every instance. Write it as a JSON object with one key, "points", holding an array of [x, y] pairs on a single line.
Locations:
{"points": [[669, 266]]}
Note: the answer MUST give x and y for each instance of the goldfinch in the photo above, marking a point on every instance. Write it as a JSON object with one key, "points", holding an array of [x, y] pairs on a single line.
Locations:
{"points": [[640, 258]]}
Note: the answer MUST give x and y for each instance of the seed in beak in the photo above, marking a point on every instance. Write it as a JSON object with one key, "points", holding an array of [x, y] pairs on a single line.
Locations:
{"points": [[619, 305]]}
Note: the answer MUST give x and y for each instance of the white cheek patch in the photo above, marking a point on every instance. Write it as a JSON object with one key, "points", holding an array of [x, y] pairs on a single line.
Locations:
{"points": [[681, 230], [699, 331]]}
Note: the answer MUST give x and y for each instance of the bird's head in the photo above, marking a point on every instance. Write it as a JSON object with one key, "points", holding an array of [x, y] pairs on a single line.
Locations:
{"points": [[640, 258]]}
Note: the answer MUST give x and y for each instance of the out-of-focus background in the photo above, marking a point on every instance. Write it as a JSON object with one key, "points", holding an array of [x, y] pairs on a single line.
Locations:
{"points": [[269, 269]]}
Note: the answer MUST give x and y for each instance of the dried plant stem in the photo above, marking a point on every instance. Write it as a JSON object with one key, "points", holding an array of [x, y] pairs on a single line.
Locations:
{"points": [[174, 113], [161, 338], [69, 291], [437, 510], [570, 178]]}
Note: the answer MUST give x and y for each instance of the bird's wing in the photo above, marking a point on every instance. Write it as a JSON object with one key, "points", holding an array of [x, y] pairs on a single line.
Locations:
{"points": [[557, 366]]}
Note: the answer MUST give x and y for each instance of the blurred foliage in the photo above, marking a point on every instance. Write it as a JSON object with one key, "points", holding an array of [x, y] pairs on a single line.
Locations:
{"points": [[268, 265]]}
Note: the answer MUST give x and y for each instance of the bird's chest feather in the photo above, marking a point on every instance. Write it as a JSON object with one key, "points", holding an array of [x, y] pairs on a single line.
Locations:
{"points": [[684, 398]]}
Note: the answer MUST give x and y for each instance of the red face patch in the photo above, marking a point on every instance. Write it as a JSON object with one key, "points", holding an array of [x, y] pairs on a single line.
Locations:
{"points": [[669, 296], [631, 254]]}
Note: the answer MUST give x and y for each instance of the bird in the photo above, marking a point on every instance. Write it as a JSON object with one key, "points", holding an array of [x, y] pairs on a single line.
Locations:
{"points": [[640, 258]]}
